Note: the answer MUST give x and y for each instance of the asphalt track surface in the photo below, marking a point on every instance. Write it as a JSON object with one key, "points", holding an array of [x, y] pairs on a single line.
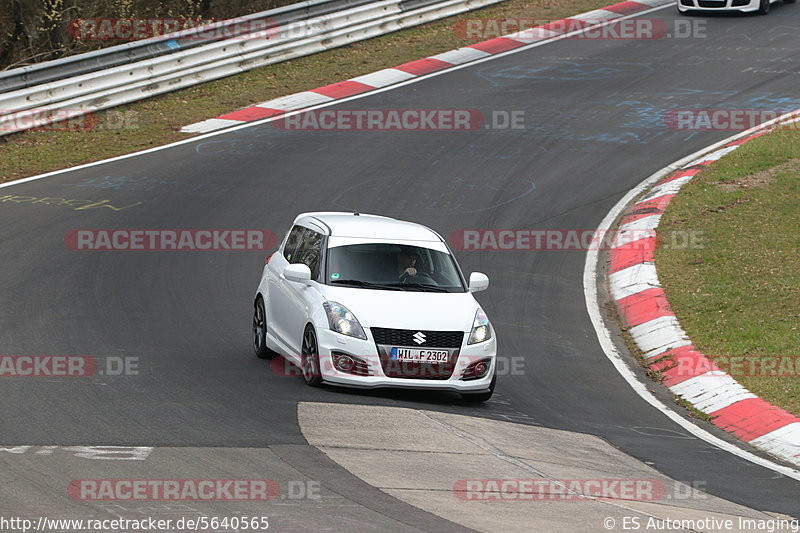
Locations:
{"points": [[594, 128]]}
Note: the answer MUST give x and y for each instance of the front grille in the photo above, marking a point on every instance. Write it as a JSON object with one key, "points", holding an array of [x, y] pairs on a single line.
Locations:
{"points": [[386, 338], [687, 3], [405, 337], [712, 3], [739, 3]]}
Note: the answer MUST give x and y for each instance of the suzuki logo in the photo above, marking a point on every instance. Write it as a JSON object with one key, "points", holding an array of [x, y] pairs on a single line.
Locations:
{"points": [[419, 337]]}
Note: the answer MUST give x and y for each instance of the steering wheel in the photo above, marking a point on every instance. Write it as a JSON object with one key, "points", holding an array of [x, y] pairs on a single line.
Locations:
{"points": [[421, 277]]}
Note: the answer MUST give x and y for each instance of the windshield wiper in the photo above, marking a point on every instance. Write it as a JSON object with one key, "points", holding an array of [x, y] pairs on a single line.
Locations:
{"points": [[365, 284], [422, 286]]}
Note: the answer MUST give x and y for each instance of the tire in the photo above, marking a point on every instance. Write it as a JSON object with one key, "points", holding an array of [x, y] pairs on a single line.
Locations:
{"points": [[310, 353], [260, 331], [788, 1], [480, 396], [763, 8]]}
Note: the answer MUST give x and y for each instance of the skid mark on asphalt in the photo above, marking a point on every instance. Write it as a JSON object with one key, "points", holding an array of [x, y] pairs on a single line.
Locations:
{"points": [[439, 152], [148, 183], [563, 71], [236, 148], [439, 195]]}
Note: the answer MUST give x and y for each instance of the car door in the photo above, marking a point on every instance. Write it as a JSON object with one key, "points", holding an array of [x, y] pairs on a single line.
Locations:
{"points": [[277, 298]]}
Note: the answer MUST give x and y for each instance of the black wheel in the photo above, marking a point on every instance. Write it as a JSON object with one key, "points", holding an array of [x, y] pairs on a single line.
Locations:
{"points": [[311, 371], [480, 396], [788, 1], [763, 8], [260, 331]]}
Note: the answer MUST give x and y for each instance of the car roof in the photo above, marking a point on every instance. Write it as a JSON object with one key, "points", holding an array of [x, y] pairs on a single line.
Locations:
{"points": [[344, 224]]}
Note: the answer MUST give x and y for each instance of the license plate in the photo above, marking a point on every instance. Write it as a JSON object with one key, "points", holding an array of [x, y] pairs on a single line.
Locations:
{"points": [[417, 355]]}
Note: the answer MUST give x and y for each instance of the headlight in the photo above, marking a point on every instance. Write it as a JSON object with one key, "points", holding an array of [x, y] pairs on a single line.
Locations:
{"points": [[341, 320], [481, 330]]}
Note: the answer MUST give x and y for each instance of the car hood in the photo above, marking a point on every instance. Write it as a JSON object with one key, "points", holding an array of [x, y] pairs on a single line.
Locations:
{"points": [[405, 309]]}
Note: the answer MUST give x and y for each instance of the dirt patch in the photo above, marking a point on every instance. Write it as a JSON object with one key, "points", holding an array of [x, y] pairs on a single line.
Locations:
{"points": [[722, 208], [759, 179]]}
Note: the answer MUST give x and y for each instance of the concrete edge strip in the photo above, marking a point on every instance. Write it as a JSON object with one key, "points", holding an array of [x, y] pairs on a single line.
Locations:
{"points": [[421, 67], [644, 309], [503, 456]]}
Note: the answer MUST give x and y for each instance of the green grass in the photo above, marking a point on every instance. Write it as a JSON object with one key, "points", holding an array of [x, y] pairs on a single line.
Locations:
{"points": [[739, 294], [157, 121]]}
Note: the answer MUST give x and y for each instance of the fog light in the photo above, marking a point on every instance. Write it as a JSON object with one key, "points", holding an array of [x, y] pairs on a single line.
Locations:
{"points": [[344, 363], [477, 370]]}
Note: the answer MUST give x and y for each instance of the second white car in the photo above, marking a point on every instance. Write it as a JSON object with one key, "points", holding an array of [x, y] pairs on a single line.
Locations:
{"points": [[743, 6]]}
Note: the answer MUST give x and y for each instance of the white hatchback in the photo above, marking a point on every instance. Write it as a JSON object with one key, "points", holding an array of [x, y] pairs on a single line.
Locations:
{"points": [[369, 301]]}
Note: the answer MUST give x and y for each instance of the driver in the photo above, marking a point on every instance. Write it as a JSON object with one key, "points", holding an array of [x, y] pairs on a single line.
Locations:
{"points": [[406, 264]]}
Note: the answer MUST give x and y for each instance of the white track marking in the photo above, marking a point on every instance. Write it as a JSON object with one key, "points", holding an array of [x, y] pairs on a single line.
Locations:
{"points": [[461, 55], [711, 391], [590, 291]]}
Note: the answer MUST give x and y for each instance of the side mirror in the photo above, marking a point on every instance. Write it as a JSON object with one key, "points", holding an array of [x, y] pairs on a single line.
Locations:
{"points": [[297, 272], [478, 282]]}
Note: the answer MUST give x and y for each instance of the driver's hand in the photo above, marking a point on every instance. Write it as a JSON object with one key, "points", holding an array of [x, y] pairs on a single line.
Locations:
{"points": [[411, 271]]}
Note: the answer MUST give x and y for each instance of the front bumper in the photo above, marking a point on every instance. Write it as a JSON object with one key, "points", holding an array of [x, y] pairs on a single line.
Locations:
{"points": [[744, 6], [331, 342]]}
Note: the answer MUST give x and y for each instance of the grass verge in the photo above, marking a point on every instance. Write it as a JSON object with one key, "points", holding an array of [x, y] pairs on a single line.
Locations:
{"points": [[738, 295], [157, 120]]}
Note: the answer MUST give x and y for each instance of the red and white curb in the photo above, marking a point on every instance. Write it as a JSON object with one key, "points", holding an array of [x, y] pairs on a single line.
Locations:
{"points": [[413, 69], [645, 311]]}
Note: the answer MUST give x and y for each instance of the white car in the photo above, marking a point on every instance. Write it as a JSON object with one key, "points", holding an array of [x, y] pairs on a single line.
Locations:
{"points": [[744, 6], [369, 301]]}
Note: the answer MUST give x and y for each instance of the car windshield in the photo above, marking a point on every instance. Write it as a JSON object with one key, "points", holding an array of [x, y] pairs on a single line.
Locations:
{"points": [[393, 267]]}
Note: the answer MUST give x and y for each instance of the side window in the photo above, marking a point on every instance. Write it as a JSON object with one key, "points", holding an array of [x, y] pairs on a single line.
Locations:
{"points": [[292, 242], [309, 252]]}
